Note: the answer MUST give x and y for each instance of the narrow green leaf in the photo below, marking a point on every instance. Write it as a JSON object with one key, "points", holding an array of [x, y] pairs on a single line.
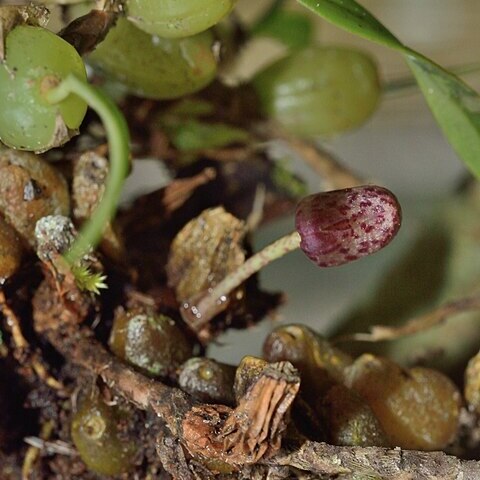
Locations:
{"points": [[454, 104], [352, 17]]}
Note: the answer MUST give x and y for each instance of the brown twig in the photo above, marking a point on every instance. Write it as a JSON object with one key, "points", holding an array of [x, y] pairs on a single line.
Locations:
{"points": [[377, 463], [180, 414], [418, 324]]}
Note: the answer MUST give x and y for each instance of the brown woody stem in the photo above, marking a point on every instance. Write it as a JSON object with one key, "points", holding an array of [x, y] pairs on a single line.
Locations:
{"points": [[188, 422]]}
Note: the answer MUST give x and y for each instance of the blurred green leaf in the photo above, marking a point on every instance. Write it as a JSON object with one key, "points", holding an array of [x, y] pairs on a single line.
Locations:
{"points": [[194, 135], [454, 104], [192, 107], [293, 29], [284, 179]]}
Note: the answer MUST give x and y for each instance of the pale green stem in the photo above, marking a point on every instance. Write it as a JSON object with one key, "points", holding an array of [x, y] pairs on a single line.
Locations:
{"points": [[200, 314], [119, 151], [408, 83]]}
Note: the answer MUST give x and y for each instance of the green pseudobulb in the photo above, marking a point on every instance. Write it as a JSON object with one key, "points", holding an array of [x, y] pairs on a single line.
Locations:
{"points": [[154, 67], [37, 59], [319, 91], [150, 342], [174, 18], [98, 436]]}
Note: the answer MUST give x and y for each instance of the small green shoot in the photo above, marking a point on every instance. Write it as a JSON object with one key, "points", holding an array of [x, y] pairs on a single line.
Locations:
{"points": [[87, 280]]}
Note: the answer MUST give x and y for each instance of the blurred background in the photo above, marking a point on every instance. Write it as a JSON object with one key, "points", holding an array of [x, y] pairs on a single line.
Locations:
{"points": [[402, 148], [435, 257]]}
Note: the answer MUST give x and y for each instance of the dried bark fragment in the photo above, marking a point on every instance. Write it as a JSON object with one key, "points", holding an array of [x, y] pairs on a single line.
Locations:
{"points": [[59, 298], [254, 429], [206, 250], [10, 251], [51, 311], [350, 463], [155, 207], [173, 458], [181, 189], [30, 189], [201, 429], [89, 176]]}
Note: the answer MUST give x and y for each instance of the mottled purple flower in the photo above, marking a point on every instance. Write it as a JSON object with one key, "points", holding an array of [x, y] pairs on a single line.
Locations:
{"points": [[344, 225]]}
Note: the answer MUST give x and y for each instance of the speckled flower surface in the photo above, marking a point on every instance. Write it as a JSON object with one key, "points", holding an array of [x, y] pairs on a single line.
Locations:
{"points": [[341, 226]]}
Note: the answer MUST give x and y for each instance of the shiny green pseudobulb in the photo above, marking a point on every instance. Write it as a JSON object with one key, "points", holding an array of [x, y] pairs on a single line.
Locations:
{"points": [[149, 341], [177, 18], [319, 91], [36, 60], [155, 67], [320, 363], [99, 437], [350, 419], [207, 380]]}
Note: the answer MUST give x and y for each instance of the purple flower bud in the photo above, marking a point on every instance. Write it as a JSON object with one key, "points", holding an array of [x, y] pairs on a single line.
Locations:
{"points": [[343, 225]]}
